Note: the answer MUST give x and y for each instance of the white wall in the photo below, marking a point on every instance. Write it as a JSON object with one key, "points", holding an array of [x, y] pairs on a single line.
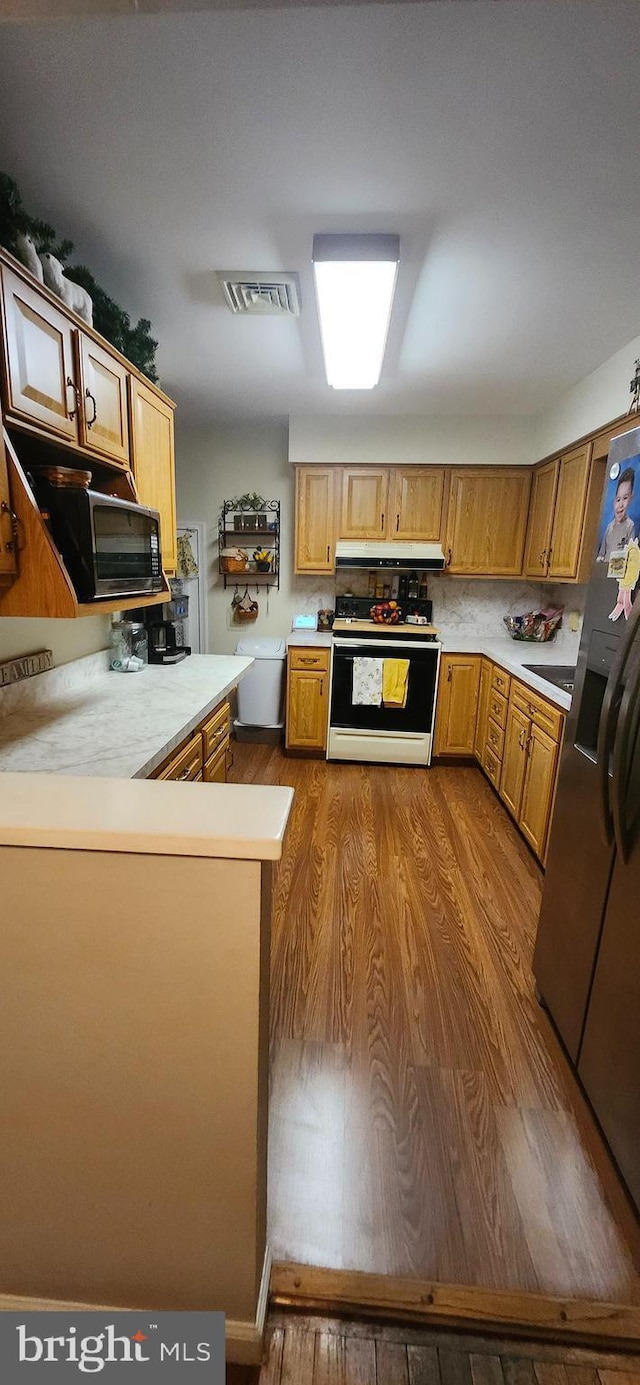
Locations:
{"points": [[411, 440], [69, 639], [594, 401], [214, 464]]}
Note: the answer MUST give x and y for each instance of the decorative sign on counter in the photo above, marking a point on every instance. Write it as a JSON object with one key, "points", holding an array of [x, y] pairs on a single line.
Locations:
{"points": [[13, 670]]}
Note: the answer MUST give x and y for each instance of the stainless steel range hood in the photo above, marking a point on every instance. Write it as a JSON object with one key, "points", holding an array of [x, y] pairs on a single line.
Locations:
{"points": [[412, 557]]}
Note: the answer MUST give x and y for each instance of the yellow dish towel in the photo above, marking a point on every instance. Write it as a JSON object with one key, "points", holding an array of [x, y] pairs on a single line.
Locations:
{"points": [[395, 682]]}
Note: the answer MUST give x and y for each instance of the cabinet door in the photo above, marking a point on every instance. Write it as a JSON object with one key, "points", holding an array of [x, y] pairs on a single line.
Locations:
{"points": [[486, 520], [154, 464], [457, 704], [364, 503], [571, 499], [415, 503], [40, 369], [538, 787], [315, 519], [480, 741], [514, 759], [104, 425], [8, 566], [307, 711], [543, 494]]}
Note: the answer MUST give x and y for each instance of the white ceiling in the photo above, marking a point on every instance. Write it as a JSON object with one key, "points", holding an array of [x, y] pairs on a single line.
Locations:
{"points": [[498, 139]]}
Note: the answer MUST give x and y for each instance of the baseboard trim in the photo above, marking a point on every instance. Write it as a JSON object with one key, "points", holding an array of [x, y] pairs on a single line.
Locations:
{"points": [[538, 1317], [244, 1340]]}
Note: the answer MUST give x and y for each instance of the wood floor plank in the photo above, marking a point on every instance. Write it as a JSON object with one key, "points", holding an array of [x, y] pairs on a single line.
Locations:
{"points": [[298, 1356], [392, 1367], [359, 1361], [272, 1369], [455, 1368], [425, 1096], [486, 1370], [424, 1367], [518, 1370], [329, 1360]]}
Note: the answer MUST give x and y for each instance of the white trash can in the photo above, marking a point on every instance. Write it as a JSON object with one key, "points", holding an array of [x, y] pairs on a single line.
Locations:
{"points": [[261, 691]]}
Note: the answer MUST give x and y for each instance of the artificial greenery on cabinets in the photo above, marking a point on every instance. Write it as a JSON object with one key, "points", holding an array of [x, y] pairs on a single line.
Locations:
{"points": [[134, 341]]}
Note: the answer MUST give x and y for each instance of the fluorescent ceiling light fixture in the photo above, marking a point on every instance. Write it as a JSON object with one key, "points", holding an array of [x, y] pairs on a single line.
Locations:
{"points": [[355, 280]]}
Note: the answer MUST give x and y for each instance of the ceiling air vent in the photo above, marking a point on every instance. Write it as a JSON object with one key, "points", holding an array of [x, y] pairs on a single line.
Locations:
{"points": [[261, 293]]}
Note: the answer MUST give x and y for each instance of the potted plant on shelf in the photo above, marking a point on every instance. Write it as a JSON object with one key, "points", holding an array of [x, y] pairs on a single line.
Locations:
{"points": [[262, 557]]}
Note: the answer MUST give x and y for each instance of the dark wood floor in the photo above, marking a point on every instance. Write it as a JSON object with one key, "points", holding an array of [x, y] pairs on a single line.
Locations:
{"points": [[423, 1118], [319, 1351]]}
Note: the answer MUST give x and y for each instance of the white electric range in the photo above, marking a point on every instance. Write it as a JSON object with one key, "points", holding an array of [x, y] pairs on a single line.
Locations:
{"points": [[372, 730]]}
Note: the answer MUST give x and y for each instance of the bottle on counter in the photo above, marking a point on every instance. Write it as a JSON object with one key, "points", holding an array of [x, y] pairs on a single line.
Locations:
{"points": [[372, 584], [413, 586], [402, 587], [423, 586]]}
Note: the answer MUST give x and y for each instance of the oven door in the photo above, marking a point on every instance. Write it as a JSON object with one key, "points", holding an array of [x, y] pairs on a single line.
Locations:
{"points": [[400, 735]]}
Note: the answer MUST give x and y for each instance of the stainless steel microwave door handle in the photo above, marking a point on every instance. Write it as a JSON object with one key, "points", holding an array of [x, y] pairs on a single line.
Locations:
{"points": [[626, 735], [609, 720]]}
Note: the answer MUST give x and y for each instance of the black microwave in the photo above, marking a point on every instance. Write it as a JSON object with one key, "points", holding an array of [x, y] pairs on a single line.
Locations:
{"points": [[110, 547]]}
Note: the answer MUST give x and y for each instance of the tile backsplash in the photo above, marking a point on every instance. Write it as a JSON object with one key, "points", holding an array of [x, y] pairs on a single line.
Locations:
{"points": [[471, 606]]}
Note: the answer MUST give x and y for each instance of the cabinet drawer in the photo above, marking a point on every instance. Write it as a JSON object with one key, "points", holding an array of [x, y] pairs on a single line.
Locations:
{"points": [[498, 708], [305, 659], [500, 681], [187, 763], [547, 717], [495, 738], [215, 730], [491, 766], [215, 770]]}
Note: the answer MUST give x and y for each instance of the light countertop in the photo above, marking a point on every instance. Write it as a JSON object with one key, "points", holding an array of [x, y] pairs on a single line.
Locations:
{"points": [[233, 821], [513, 654], [300, 638], [83, 719]]}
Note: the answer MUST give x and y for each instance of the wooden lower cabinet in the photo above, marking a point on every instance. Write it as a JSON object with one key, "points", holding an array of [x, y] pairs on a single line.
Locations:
{"points": [[514, 759], [307, 698], [205, 756], [532, 739], [538, 789], [457, 704], [486, 670]]}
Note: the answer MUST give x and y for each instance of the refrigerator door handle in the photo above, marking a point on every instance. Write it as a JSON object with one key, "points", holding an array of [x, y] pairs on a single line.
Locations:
{"points": [[609, 721], [622, 752]]}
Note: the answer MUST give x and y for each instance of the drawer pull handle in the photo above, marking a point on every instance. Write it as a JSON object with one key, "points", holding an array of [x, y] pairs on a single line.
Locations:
{"points": [[185, 774]]}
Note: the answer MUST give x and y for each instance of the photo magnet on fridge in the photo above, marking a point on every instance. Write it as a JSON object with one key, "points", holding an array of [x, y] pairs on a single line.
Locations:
{"points": [[620, 531]]}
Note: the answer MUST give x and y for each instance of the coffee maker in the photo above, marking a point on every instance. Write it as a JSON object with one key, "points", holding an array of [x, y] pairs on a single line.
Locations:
{"points": [[164, 625]]}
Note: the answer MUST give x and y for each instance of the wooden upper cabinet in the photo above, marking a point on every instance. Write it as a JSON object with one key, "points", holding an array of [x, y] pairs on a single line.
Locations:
{"points": [[457, 704], [541, 510], [39, 375], [416, 496], [315, 533], [8, 566], [364, 503], [487, 520], [104, 425], [154, 463], [568, 521]]}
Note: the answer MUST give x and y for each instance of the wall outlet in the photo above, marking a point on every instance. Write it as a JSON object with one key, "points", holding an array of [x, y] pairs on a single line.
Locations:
{"points": [[574, 620]]}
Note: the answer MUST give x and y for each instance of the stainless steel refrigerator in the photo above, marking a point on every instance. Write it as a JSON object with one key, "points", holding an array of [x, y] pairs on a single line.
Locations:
{"points": [[587, 955]]}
